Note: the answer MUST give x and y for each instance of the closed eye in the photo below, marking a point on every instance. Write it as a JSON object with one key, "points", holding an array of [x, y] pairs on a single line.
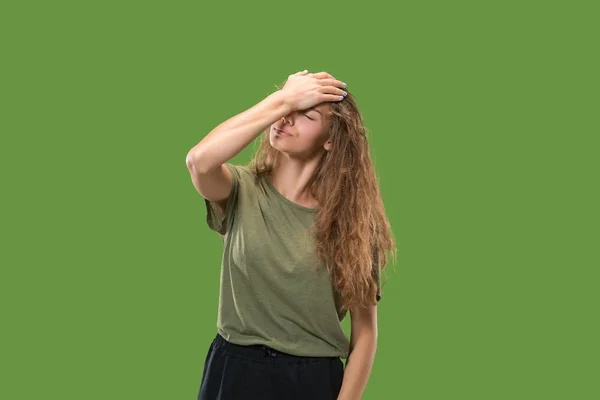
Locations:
{"points": [[308, 117]]}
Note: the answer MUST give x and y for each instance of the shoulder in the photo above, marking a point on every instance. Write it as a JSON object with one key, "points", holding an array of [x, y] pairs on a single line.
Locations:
{"points": [[241, 171]]}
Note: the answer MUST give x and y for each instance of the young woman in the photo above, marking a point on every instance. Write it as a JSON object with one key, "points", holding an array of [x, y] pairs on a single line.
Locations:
{"points": [[305, 238]]}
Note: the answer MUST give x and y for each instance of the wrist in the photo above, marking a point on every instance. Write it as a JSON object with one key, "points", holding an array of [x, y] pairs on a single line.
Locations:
{"points": [[282, 102]]}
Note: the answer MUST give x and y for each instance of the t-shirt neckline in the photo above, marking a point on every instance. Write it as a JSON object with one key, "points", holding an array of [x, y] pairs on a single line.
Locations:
{"points": [[285, 199]]}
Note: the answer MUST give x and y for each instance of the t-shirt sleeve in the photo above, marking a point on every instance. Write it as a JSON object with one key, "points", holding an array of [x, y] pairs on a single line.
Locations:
{"points": [[213, 212], [377, 275], [378, 284]]}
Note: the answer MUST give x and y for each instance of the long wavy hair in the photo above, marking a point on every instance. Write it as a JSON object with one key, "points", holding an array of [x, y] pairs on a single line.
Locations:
{"points": [[351, 231]]}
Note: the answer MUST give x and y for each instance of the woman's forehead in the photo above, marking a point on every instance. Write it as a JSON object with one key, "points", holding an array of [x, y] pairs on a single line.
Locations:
{"points": [[324, 108]]}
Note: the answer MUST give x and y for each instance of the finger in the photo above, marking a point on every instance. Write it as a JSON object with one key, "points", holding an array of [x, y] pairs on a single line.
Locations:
{"points": [[302, 72], [332, 97], [333, 90], [332, 82], [322, 75]]}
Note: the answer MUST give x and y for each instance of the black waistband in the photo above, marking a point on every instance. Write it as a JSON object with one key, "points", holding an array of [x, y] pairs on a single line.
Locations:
{"points": [[261, 351]]}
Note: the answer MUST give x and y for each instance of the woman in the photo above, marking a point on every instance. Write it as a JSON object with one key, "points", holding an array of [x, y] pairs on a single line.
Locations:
{"points": [[304, 230]]}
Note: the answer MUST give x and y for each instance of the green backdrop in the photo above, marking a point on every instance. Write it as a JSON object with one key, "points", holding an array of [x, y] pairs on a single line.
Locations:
{"points": [[483, 124]]}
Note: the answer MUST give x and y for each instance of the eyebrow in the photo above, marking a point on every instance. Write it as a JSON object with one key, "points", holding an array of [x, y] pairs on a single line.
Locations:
{"points": [[314, 109]]}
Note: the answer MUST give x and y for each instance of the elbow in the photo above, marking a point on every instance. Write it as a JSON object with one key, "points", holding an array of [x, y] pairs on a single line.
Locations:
{"points": [[192, 160], [189, 160]]}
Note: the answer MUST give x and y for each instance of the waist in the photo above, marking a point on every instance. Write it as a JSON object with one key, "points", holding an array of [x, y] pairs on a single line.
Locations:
{"points": [[261, 351]]}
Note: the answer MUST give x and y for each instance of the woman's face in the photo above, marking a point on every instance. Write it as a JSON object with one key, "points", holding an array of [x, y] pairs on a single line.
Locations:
{"points": [[307, 132]]}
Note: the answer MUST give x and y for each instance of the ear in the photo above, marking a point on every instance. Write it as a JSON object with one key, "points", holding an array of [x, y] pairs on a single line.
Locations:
{"points": [[327, 145]]}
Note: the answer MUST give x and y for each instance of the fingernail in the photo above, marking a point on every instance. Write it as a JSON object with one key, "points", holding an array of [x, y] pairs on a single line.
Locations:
{"points": [[344, 83]]}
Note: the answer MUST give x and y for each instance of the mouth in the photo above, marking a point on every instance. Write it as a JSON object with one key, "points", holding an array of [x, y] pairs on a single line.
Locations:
{"points": [[282, 132]]}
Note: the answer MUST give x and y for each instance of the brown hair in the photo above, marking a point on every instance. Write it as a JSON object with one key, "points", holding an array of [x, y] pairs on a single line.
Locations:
{"points": [[351, 231]]}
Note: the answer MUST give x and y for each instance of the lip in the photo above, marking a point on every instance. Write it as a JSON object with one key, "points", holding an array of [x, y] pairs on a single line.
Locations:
{"points": [[282, 132]]}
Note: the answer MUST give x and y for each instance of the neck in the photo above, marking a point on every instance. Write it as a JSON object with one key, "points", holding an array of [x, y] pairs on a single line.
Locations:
{"points": [[290, 177]]}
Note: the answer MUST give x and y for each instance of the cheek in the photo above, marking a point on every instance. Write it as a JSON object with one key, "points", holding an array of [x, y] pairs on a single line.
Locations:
{"points": [[310, 128], [313, 139]]}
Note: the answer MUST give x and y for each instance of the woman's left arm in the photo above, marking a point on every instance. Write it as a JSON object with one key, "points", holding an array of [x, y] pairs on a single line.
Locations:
{"points": [[363, 345]]}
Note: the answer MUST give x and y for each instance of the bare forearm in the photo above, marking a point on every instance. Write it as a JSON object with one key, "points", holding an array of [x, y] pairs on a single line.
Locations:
{"points": [[358, 368], [230, 137]]}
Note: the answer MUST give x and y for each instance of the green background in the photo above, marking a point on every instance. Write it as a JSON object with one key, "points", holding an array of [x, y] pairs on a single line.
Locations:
{"points": [[483, 124]]}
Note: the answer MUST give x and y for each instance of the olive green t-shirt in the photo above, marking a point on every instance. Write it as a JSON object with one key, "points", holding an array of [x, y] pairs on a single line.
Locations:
{"points": [[270, 292]]}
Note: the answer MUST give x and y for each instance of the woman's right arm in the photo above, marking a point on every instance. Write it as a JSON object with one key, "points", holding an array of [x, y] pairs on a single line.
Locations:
{"points": [[230, 137]]}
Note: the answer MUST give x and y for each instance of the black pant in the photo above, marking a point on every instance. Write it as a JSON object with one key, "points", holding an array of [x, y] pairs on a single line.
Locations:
{"points": [[234, 372]]}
